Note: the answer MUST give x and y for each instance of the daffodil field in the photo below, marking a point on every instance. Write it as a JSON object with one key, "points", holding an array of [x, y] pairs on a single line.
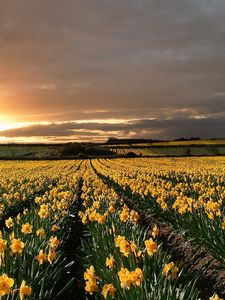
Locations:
{"points": [[30, 256], [137, 228]]}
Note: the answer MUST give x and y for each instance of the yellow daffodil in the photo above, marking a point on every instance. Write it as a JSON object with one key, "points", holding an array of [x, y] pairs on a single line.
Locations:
{"points": [[41, 257], [108, 289], [110, 262], [151, 246], [9, 223], [17, 246], [26, 228], [24, 290], [5, 285]]}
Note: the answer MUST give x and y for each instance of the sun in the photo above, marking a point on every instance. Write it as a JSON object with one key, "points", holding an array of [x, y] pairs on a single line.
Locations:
{"points": [[5, 126], [6, 123]]}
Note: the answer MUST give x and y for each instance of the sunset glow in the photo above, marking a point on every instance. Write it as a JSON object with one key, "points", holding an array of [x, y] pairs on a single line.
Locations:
{"points": [[81, 71], [6, 123]]}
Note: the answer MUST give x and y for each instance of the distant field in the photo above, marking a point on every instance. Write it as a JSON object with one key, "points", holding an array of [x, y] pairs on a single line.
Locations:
{"points": [[17, 151], [173, 148], [53, 151], [174, 143], [76, 150]]}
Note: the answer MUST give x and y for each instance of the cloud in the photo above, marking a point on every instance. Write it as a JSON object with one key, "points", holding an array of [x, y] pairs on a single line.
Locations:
{"points": [[120, 59], [144, 128]]}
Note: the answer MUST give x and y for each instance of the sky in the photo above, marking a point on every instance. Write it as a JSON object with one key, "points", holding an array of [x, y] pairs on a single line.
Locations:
{"points": [[86, 70]]}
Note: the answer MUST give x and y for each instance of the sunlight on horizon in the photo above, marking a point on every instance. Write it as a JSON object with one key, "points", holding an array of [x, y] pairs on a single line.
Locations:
{"points": [[7, 122]]}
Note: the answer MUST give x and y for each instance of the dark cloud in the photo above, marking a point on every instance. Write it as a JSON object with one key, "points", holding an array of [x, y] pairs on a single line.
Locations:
{"points": [[115, 59], [146, 128]]}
